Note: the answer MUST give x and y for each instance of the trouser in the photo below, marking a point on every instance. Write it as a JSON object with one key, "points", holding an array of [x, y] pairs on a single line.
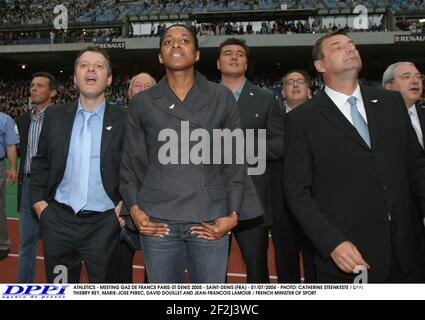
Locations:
{"points": [[68, 240], [4, 236], [28, 236]]}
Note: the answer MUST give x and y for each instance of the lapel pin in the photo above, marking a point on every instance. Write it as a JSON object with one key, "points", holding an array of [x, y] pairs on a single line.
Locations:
{"points": [[109, 128], [171, 107], [256, 115], [374, 101], [251, 93]]}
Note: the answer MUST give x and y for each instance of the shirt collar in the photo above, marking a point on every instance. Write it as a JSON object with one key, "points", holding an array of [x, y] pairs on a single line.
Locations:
{"points": [[238, 92], [41, 113], [98, 111], [340, 98], [412, 110]]}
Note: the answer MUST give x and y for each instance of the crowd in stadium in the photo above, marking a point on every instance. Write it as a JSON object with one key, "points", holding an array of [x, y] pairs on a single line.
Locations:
{"points": [[14, 97], [14, 12]]}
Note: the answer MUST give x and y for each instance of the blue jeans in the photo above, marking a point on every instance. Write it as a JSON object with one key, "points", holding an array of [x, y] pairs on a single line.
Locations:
{"points": [[167, 258], [28, 237]]}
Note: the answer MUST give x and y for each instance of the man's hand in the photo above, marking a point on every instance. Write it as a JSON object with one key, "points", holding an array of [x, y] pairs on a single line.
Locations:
{"points": [[117, 212], [12, 175], [145, 226], [39, 207], [347, 257], [216, 231]]}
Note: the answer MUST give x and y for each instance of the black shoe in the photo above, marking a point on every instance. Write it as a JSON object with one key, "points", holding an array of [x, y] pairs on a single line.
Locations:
{"points": [[4, 254]]}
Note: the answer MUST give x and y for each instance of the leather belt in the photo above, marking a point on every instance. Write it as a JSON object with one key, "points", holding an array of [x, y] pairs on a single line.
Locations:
{"points": [[81, 213]]}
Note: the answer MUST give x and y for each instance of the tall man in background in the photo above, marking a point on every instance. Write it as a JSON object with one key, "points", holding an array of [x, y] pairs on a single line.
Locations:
{"points": [[258, 109], [42, 90]]}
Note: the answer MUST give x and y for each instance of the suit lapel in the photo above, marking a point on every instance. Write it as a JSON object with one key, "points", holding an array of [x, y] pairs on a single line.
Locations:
{"points": [[165, 100], [109, 128], [247, 95], [26, 123], [68, 122], [199, 95], [331, 112], [421, 115]]}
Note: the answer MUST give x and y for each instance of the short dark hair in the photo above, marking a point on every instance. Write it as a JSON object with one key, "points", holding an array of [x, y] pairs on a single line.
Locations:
{"points": [[234, 41], [188, 28], [53, 84], [302, 72], [98, 50], [317, 53]]}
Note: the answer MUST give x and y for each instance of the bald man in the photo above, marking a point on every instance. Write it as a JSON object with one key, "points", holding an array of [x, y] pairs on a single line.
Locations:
{"points": [[405, 78], [129, 238], [140, 82]]}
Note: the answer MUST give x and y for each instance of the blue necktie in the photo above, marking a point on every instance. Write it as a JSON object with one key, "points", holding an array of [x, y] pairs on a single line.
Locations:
{"points": [[358, 121], [81, 165]]}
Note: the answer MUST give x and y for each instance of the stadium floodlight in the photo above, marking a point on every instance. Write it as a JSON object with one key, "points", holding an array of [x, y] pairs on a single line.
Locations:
{"points": [[422, 20]]}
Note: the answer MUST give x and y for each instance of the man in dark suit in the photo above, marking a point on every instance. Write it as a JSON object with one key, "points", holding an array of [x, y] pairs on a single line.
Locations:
{"points": [[405, 78], [352, 170], [42, 89], [259, 109], [130, 243], [287, 235], [74, 176]]}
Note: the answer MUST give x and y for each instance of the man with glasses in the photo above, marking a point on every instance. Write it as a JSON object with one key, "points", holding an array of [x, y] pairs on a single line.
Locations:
{"points": [[405, 78], [292, 240], [295, 89]]}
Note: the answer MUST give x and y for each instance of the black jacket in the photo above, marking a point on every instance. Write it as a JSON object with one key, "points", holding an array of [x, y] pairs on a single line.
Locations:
{"points": [[339, 189]]}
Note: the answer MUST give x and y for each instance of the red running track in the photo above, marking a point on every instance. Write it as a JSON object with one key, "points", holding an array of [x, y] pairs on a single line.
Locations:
{"points": [[9, 266]]}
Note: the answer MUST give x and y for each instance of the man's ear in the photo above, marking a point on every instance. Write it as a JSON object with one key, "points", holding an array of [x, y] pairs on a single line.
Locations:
{"points": [[53, 93], [198, 54], [160, 58], [387, 86], [318, 64]]}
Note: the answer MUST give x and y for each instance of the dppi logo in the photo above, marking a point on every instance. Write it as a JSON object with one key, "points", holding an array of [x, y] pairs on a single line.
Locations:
{"points": [[35, 291]]}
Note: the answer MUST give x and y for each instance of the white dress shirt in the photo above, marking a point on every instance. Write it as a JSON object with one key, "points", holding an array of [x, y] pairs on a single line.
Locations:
{"points": [[414, 118], [340, 100]]}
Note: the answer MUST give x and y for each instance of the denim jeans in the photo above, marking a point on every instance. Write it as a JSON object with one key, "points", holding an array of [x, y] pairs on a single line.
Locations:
{"points": [[28, 237], [167, 258]]}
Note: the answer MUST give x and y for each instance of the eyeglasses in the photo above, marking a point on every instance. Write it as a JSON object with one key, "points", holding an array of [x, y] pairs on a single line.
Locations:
{"points": [[299, 82], [409, 76]]}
